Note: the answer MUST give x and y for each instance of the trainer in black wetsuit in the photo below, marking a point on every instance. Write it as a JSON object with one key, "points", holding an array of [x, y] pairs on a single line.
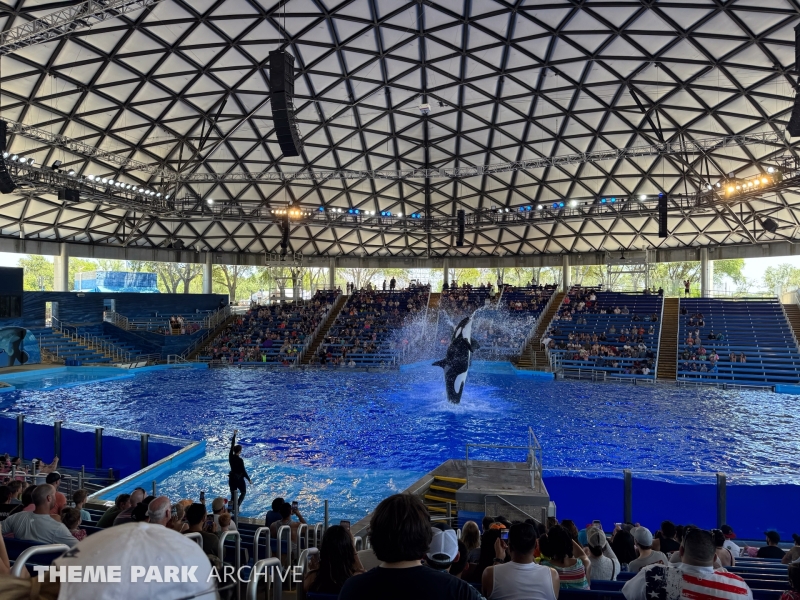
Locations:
{"points": [[238, 473]]}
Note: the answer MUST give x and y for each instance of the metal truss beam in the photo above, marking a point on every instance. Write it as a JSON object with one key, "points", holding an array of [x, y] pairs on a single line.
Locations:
{"points": [[678, 147], [66, 21]]}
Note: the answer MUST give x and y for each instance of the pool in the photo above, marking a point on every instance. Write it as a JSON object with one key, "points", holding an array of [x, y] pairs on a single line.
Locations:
{"points": [[60, 377], [352, 438]]}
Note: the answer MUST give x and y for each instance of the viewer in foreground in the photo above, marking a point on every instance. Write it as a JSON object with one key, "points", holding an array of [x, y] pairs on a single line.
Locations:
{"points": [[693, 577], [400, 532]]}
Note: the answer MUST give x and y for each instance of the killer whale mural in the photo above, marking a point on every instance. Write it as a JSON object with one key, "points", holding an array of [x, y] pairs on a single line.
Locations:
{"points": [[18, 346]]}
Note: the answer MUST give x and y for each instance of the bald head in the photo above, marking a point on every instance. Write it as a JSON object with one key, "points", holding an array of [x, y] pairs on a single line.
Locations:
{"points": [[158, 511], [137, 496], [698, 548], [44, 497]]}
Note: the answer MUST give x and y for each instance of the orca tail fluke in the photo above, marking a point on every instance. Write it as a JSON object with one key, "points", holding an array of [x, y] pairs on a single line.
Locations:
{"points": [[440, 363]]}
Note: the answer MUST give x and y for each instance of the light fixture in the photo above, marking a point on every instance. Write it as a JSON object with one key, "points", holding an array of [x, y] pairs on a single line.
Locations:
{"points": [[765, 181], [573, 203], [770, 170], [5, 154], [71, 172], [210, 201], [104, 180], [15, 157], [643, 197], [165, 197], [730, 190], [538, 207], [158, 195], [399, 214], [718, 184]]}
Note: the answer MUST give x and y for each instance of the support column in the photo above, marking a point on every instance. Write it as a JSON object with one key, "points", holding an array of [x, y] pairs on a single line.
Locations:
{"points": [[706, 274], [332, 273], [207, 273], [445, 272], [61, 270], [565, 278]]}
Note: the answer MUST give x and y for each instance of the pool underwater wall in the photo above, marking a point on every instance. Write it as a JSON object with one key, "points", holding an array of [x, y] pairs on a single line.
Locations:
{"points": [[122, 454]]}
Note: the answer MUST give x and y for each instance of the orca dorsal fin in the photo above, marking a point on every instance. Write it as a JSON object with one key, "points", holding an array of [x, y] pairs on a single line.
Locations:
{"points": [[440, 363]]}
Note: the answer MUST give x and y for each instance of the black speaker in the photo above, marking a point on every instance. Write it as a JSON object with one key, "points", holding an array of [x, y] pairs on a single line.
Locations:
{"points": [[281, 81], [663, 230], [461, 218], [7, 184], [769, 225], [69, 195], [284, 235], [794, 121]]}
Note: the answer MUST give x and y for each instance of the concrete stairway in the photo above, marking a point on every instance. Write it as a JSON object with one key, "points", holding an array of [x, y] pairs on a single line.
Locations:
{"points": [[312, 350], [57, 345], [211, 336], [668, 345], [793, 315], [524, 361]]}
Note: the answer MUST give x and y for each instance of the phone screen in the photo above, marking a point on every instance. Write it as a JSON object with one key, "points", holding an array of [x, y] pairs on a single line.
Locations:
{"points": [[174, 511], [294, 505], [504, 535], [345, 524]]}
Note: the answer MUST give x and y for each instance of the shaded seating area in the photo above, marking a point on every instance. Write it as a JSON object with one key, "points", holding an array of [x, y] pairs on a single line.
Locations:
{"points": [[746, 342], [612, 332], [363, 333], [274, 334]]}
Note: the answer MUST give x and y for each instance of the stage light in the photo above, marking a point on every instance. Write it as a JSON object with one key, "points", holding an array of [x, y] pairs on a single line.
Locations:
{"points": [[90, 177], [555, 204], [15, 157], [528, 208], [71, 172], [573, 203], [718, 184], [538, 207], [603, 200], [158, 195], [5, 154], [643, 197], [613, 200], [765, 181], [400, 214], [165, 197], [770, 170], [210, 201], [730, 190]]}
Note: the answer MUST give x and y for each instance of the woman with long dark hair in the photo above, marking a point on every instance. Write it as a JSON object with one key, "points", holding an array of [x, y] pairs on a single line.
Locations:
{"points": [[487, 555], [623, 547], [567, 557], [338, 562]]}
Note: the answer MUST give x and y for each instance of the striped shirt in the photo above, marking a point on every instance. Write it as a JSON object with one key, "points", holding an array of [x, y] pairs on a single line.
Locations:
{"points": [[681, 581], [572, 578]]}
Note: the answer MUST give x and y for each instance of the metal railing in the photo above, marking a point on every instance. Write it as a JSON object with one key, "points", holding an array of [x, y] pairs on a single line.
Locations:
{"points": [[117, 319], [533, 460], [217, 318], [660, 328], [91, 342]]}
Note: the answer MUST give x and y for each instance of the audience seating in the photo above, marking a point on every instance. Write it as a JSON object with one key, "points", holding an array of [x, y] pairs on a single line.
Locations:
{"points": [[609, 355], [65, 348], [274, 334], [363, 334], [756, 328]]}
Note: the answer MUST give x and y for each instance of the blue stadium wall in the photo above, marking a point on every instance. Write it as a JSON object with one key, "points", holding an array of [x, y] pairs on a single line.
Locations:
{"points": [[88, 308]]}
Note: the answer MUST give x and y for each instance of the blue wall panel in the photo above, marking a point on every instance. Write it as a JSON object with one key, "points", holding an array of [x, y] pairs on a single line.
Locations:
{"points": [[77, 449], [39, 442], [8, 436], [158, 450], [656, 501], [752, 509], [584, 500], [121, 454]]}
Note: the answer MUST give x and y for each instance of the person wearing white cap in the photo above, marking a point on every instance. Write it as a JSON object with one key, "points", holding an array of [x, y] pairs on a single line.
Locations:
{"points": [[643, 540], [605, 565], [520, 578], [443, 551], [145, 555]]}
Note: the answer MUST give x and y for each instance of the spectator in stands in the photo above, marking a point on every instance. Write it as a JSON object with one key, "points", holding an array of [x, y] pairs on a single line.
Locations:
{"points": [[286, 519], [71, 518], [137, 497], [392, 284], [623, 546], [54, 478], [687, 285], [724, 555], [742, 358], [443, 550], [274, 514], [487, 554], [729, 534], [666, 538], [121, 503], [693, 577], [79, 500], [521, 577], [643, 540], [6, 508], [567, 557], [158, 511], [238, 474], [38, 525], [219, 507], [605, 565], [15, 485], [793, 553], [794, 583], [338, 562], [225, 523], [196, 517], [486, 523], [471, 537], [400, 531], [771, 550]]}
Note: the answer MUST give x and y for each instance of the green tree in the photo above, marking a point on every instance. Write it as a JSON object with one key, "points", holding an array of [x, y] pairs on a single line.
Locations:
{"points": [[230, 276], [781, 277], [173, 276], [38, 273], [79, 265], [107, 264]]}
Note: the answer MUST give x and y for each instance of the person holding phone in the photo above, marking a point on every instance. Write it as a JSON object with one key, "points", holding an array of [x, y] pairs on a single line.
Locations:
{"points": [[237, 474], [287, 510]]}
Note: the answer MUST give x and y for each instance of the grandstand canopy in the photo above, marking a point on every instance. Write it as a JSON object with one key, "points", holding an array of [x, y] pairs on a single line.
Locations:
{"points": [[185, 84]]}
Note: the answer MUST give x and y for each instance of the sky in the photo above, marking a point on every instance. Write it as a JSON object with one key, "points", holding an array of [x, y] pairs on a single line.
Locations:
{"points": [[753, 267]]}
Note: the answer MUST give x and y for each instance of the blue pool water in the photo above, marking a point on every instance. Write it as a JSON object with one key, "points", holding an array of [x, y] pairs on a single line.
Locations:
{"points": [[64, 377], [353, 438]]}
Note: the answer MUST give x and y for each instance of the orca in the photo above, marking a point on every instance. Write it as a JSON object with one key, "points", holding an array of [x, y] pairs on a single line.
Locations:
{"points": [[457, 360], [11, 341]]}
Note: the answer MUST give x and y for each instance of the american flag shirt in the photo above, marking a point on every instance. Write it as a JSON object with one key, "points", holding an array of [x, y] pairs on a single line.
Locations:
{"points": [[681, 581]]}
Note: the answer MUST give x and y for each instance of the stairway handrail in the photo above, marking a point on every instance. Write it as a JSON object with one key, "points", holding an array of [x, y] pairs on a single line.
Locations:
{"points": [[322, 323], [660, 328], [226, 311], [786, 316], [310, 339]]}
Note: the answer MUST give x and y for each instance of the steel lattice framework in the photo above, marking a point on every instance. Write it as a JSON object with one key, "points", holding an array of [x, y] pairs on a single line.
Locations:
{"points": [[531, 102]]}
